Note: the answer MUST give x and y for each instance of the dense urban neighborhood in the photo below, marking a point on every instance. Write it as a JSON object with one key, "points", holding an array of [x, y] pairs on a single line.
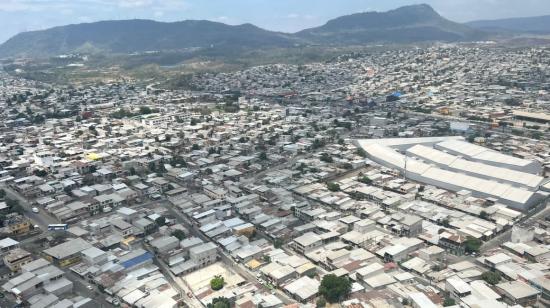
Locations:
{"points": [[409, 177]]}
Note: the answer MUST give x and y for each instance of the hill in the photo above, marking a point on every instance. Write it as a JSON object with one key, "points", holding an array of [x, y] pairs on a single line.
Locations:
{"points": [[415, 23], [533, 25], [127, 36]]}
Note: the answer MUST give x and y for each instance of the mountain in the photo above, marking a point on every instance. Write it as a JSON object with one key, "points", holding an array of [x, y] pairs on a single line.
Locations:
{"points": [[533, 25], [126, 36], [414, 23]]}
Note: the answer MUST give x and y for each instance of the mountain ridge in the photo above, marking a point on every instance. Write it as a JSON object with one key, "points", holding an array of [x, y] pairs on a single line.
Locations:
{"points": [[533, 25], [415, 23]]}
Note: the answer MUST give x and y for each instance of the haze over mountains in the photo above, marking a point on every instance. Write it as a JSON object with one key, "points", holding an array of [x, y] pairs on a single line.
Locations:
{"points": [[416, 23], [535, 25]]}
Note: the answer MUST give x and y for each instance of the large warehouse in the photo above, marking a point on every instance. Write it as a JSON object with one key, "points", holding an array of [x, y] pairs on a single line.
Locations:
{"points": [[453, 164]]}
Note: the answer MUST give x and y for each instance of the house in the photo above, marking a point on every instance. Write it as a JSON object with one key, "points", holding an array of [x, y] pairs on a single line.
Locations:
{"points": [[452, 242], [303, 289], [145, 226], [15, 225], [204, 254], [7, 244], [67, 253], [518, 293], [307, 242], [165, 244], [457, 288], [122, 227], [16, 258]]}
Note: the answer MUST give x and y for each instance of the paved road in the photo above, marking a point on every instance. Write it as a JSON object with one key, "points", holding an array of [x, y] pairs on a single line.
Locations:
{"points": [[80, 287], [42, 219]]}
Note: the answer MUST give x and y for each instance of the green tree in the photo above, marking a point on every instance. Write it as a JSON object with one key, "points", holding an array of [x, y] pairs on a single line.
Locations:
{"points": [[326, 158], [491, 277], [219, 302], [333, 186], [334, 289], [179, 234], [278, 243], [472, 244], [365, 180], [448, 302], [161, 221], [217, 283], [145, 110], [321, 302], [484, 215], [40, 173], [262, 156]]}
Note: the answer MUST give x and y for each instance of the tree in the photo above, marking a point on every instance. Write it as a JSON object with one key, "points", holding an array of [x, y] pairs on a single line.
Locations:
{"points": [[491, 277], [217, 283], [472, 244], [262, 156], [334, 289], [278, 243], [484, 215], [448, 302], [15, 206], [333, 186], [365, 180], [145, 110], [195, 147], [161, 221], [40, 173], [179, 234], [326, 158], [219, 302], [321, 302]]}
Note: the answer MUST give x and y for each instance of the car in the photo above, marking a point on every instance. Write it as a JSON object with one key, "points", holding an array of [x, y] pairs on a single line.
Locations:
{"points": [[35, 210], [89, 287]]}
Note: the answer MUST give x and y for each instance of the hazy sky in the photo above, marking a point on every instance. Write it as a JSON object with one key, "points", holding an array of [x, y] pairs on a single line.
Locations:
{"points": [[282, 15]]}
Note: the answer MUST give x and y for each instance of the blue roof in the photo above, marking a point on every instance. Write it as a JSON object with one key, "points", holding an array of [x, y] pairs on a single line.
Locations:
{"points": [[137, 260]]}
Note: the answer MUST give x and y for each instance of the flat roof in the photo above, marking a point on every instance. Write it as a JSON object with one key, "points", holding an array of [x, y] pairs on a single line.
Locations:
{"points": [[517, 289], [534, 115], [304, 287], [68, 248], [8, 242]]}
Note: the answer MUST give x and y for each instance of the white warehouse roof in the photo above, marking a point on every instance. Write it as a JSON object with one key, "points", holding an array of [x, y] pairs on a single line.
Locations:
{"points": [[451, 180], [452, 162], [488, 156]]}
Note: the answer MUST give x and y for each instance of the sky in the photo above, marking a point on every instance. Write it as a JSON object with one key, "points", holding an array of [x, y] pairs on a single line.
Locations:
{"points": [[279, 15]]}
